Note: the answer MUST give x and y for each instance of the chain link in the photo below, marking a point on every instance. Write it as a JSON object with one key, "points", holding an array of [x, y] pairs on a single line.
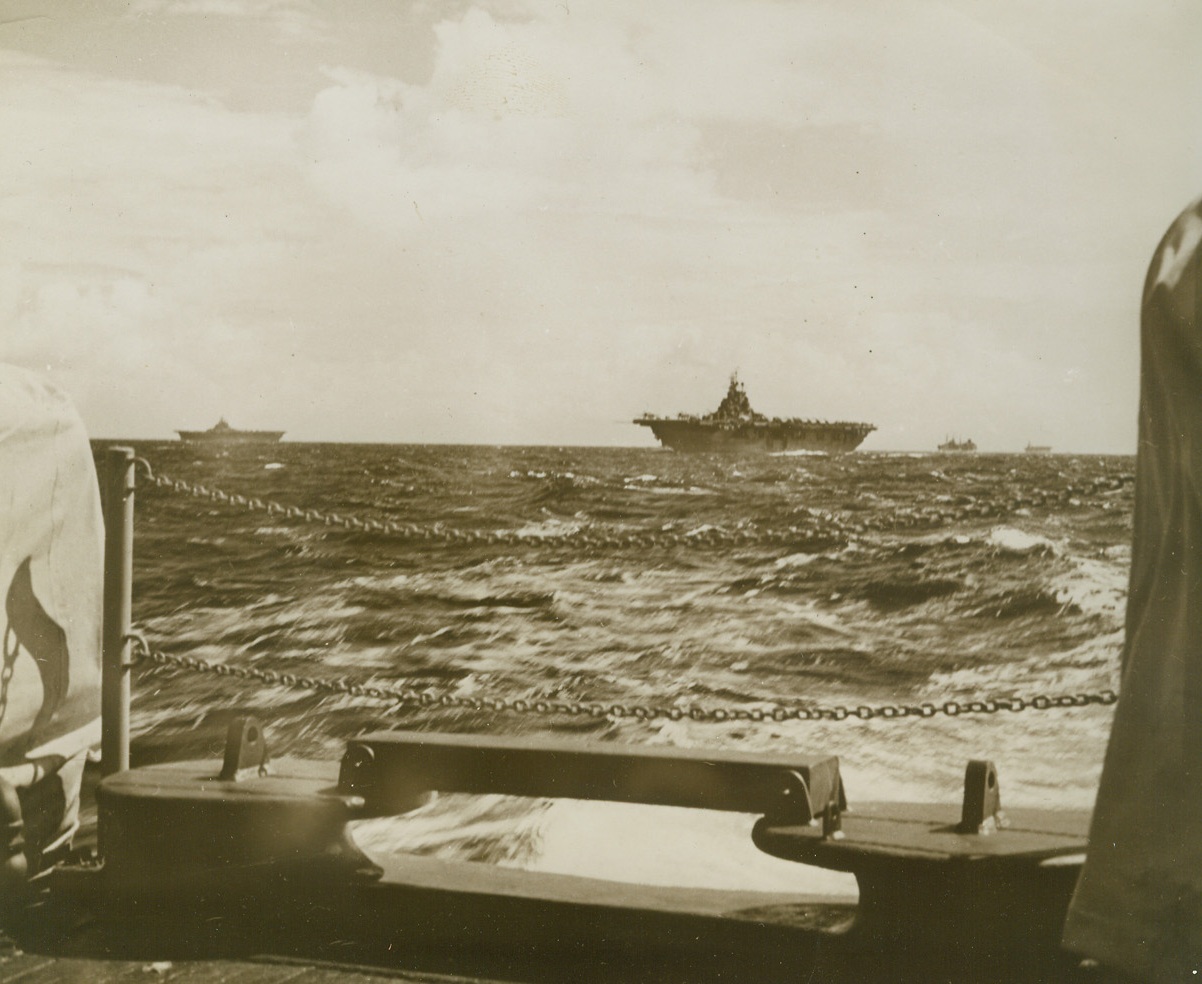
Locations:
{"points": [[835, 530], [707, 537], [142, 652]]}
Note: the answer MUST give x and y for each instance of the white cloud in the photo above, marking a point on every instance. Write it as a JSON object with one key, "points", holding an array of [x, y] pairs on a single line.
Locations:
{"points": [[524, 219], [293, 20], [517, 117], [138, 214]]}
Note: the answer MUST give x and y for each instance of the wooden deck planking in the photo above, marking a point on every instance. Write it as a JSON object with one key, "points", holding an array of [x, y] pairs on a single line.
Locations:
{"points": [[35, 969], [22, 968]]}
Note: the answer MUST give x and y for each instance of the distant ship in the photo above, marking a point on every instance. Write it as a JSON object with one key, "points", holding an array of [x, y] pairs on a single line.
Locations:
{"points": [[951, 444], [1038, 448], [223, 433], [734, 426]]}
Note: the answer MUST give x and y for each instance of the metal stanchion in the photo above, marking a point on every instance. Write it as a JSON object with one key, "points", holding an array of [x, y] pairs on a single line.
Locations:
{"points": [[118, 588]]}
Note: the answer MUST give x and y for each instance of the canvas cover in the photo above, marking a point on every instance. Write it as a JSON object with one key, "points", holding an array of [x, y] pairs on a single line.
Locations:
{"points": [[1138, 905], [51, 579]]}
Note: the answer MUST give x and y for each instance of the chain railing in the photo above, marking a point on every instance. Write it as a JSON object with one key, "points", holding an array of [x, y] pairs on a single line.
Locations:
{"points": [[835, 528], [582, 537], [142, 652]]}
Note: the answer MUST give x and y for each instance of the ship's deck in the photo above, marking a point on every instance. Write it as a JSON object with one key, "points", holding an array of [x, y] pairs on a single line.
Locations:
{"points": [[97, 954], [426, 919], [24, 968]]}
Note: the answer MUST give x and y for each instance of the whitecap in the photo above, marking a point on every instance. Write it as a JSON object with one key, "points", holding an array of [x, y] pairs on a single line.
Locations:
{"points": [[1097, 587], [796, 560], [1011, 540], [549, 528]]}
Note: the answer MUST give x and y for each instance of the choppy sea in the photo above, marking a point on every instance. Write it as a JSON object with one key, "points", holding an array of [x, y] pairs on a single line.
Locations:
{"points": [[881, 579]]}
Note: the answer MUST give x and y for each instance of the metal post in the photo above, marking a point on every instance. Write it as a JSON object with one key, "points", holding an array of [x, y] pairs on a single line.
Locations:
{"points": [[118, 590]]}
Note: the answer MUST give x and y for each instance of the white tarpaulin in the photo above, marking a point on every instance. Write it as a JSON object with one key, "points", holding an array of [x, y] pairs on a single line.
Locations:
{"points": [[1138, 905], [51, 580]]}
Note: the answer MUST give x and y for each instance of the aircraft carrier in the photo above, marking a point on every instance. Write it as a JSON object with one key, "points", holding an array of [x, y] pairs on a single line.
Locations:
{"points": [[735, 426], [223, 433]]}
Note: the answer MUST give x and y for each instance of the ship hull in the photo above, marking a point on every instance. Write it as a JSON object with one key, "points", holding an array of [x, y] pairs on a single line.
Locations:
{"points": [[765, 439], [736, 427], [239, 437]]}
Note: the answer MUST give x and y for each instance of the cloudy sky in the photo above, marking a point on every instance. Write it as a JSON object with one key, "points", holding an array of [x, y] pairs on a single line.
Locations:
{"points": [[527, 222]]}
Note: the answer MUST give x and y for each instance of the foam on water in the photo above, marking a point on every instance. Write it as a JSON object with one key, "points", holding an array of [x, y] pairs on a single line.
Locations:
{"points": [[978, 579], [1097, 586], [670, 846], [1016, 541]]}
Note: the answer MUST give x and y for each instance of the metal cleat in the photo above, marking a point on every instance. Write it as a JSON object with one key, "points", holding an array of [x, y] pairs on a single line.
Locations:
{"points": [[832, 820], [982, 809], [177, 824], [928, 879], [245, 751]]}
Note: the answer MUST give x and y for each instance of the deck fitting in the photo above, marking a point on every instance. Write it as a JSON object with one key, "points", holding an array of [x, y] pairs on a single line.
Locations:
{"points": [[245, 751], [982, 809]]}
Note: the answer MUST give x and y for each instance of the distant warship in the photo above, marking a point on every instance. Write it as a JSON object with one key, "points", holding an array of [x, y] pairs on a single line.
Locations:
{"points": [[951, 444], [734, 426], [223, 433]]}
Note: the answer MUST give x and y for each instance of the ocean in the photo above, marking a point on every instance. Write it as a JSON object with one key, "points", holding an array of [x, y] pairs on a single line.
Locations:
{"points": [[868, 580]]}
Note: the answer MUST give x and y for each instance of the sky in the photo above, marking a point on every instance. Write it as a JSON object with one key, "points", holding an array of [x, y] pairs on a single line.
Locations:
{"points": [[521, 222]]}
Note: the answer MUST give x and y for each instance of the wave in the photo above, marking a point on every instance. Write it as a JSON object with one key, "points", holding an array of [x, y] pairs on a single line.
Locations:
{"points": [[448, 597], [910, 579], [1009, 540], [1025, 602]]}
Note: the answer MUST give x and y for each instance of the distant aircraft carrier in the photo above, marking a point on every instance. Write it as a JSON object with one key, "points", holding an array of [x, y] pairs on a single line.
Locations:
{"points": [[734, 426], [223, 433]]}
